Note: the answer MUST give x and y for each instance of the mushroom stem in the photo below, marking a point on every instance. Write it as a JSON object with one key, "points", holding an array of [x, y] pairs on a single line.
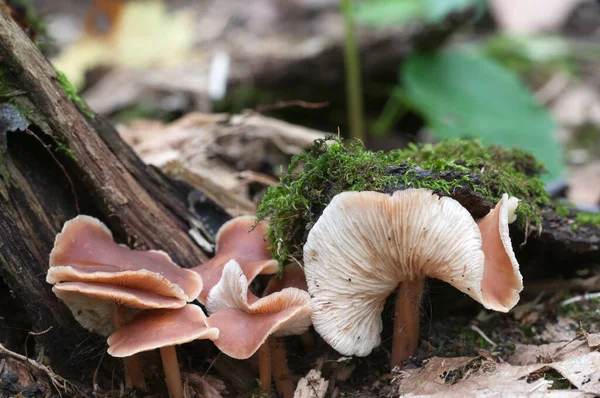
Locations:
{"points": [[134, 374], [281, 372], [172, 372], [307, 341], [406, 320], [264, 366]]}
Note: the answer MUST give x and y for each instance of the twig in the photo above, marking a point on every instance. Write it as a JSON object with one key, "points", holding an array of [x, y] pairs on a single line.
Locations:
{"points": [[57, 381], [30, 333], [13, 93], [577, 299], [95, 378], [211, 364], [289, 104], [47, 148], [354, 94], [483, 335]]}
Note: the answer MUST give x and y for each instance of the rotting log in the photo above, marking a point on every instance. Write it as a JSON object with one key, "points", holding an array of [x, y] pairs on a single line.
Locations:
{"points": [[62, 164]]}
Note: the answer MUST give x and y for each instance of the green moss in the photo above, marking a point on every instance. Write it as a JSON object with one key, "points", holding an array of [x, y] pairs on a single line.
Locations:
{"points": [[332, 166], [71, 92], [500, 170], [587, 218]]}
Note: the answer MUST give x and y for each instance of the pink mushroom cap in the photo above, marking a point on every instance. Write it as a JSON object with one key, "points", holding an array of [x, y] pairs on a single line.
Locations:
{"points": [[237, 240]]}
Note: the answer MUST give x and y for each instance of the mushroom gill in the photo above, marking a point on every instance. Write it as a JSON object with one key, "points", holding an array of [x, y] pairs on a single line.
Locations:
{"points": [[365, 245]]}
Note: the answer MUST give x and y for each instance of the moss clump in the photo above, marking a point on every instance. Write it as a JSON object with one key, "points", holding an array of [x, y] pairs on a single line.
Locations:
{"points": [[500, 170], [313, 178], [72, 95], [332, 166], [586, 218]]}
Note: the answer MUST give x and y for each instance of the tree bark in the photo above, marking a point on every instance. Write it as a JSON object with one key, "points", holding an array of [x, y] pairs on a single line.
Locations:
{"points": [[66, 163]]}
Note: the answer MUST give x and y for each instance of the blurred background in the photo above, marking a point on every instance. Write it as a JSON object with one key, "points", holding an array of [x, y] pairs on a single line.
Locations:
{"points": [[516, 73]]}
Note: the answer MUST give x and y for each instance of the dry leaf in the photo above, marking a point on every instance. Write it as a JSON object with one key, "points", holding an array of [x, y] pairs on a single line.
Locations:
{"points": [[546, 353], [144, 35], [593, 339], [311, 386], [455, 377]]}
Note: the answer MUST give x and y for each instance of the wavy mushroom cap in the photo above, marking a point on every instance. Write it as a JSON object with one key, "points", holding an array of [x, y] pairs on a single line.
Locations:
{"points": [[160, 328], [246, 321], [85, 251], [502, 282], [94, 304], [237, 240], [366, 243]]}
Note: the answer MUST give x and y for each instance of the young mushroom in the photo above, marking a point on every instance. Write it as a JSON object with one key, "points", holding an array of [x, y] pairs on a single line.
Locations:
{"points": [[502, 281], [292, 276], [163, 329], [238, 240], [104, 283], [245, 321], [365, 245]]}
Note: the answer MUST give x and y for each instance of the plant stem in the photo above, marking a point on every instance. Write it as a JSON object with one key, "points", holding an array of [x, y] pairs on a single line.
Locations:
{"points": [[281, 371], [264, 366], [406, 320], [172, 372], [134, 373], [353, 75]]}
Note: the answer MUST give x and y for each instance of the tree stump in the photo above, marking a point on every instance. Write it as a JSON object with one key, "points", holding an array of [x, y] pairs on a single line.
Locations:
{"points": [[57, 161]]}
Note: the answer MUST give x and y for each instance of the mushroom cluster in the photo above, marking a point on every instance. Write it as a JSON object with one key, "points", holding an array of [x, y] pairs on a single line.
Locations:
{"points": [[367, 245], [364, 246], [139, 299]]}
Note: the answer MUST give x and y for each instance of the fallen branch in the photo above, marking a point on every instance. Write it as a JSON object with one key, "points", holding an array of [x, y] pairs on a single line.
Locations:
{"points": [[58, 382]]}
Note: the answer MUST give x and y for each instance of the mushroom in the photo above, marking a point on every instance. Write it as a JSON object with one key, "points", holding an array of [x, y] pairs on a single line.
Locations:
{"points": [[365, 245], [245, 321], [243, 240], [94, 305], [292, 276], [162, 329], [84, 251], [99, 279], [502, 281]]}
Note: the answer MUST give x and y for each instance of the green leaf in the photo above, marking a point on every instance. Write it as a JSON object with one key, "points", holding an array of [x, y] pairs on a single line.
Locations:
{"points": [[436, 10], [389, 12], [464, 94], [397, 12]]}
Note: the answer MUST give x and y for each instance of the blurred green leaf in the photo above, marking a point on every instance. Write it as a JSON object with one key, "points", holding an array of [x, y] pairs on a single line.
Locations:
{"points": [[389, 12], [394, 12], [436, 10], [465, 94]]}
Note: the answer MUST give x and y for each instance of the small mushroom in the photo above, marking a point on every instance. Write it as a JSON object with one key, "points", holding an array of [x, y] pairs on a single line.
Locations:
{"points": [[163, 329], [101, 280], [502, 281], [84, 251], [93, 303], [292, 276], [238, 240], [365, 245], [246, 321]]}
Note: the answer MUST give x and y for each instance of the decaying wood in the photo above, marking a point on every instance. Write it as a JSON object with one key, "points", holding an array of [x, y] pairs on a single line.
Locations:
{"points": [[142, 207]]}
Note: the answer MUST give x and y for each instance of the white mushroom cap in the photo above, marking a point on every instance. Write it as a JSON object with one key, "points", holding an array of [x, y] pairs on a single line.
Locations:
{"points": [[502, 282], [365, 243], [246, 321]]}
